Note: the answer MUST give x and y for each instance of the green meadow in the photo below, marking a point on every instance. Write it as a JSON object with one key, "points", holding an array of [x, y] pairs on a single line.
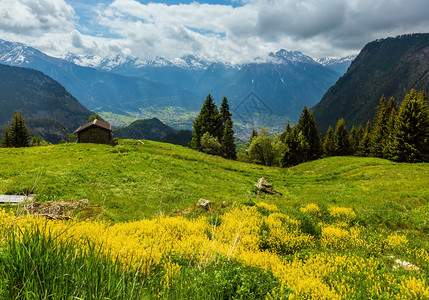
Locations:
{"points": [[355, 217], [133, 180]]}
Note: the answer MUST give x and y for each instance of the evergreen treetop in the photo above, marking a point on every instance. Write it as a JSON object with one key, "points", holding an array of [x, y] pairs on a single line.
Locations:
{"points": [[341, 138], [208, 120], [6, 141], [364, 143], [411, 134], [228, 142], [379, 133], [328, 143], [307, 125], [19, 132]]}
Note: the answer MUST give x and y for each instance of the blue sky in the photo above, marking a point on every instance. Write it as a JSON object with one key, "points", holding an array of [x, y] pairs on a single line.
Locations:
{"points": [[227, 31]]}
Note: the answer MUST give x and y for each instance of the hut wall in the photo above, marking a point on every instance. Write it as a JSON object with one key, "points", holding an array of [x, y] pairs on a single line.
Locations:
{"points": [[95, 135]]}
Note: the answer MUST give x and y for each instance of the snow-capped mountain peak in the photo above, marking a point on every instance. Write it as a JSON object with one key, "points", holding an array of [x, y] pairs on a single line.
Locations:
{"points": [[329, 61], [190, 62], [14, 53], [284, 56]]}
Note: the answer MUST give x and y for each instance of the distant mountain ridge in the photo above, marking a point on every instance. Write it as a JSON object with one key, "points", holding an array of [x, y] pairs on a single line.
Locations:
{"points": [[285, 81], [95, 89], [337, 64], [389, 67], [49, 109]]}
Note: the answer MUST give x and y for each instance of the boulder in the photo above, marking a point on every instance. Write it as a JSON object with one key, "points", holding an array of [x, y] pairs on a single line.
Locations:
{"points": [[265, 187], [204, 203]]}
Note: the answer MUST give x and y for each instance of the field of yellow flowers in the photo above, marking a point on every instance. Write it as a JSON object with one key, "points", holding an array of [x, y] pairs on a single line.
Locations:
{"points": [[319, 253]]}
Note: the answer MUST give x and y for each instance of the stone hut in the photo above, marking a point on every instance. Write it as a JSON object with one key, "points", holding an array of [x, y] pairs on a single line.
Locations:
{"points": [[95, 132]]}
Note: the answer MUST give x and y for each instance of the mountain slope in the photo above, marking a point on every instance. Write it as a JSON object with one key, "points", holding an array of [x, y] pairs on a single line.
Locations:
{"points": [[94, 88], [389, 67], [284, 85], [40, 98]]}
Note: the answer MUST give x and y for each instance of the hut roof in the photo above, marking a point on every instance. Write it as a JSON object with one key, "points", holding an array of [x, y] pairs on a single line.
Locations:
{"points": [[96, 123]]}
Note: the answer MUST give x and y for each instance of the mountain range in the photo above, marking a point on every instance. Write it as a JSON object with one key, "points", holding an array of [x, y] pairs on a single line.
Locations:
{"points": [[97, 90], [389, 67], [50, 111], [284, 81]]}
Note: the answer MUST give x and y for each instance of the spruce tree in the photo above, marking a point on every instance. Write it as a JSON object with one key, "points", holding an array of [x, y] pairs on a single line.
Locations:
{"points": [[296, 146], [6, 141], [390, 128], [322, 141], [307, 125], [360, 133], [227, 142], [208, 120], [227, 134], [328, 144], [341, 138], [379, 132], [19, 132], [411, 136], [354, 141], [225, 114], [364, 143]]}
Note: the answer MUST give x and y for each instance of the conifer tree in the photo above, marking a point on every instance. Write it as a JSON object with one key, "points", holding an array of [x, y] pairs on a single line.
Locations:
{"points": [[328, 144], [208, 120], [19, 132], [322, 141], [341, 138], [227, 134], [6, 141], [307, 125], [296, 145], [390, 128], [411, 136], [225, 114], [227, 142], [360, 133], [379, 132], [354, 141], [364, 142]]}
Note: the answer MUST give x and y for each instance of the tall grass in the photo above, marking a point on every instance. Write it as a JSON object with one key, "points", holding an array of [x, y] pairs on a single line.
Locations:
{"points": [[36, 266], [33, 266]]}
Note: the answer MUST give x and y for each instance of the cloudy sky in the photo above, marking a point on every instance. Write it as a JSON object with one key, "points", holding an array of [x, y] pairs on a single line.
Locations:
{"points": [[217, 30]]}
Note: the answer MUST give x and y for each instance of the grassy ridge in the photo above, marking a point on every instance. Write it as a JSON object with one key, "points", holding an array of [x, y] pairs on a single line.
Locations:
{"points": [[133, 180]]}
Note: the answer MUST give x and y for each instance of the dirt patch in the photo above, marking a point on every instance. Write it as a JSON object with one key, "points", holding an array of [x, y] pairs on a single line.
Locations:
{"points": [[162, 148]]}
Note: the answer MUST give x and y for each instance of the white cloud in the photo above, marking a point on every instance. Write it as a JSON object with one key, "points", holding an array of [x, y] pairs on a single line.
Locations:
{"points": [[31, 17], [216, 32]]}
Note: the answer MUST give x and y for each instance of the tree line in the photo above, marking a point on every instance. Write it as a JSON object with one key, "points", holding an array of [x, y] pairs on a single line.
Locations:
{"points": [[396, 133]]}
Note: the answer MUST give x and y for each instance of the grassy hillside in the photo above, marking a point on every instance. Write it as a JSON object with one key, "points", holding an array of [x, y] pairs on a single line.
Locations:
{"points": [[133, 181], [344, 228]]}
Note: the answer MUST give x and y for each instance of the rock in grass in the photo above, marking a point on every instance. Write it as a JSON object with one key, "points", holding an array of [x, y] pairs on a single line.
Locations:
{"points": [[265, 187], [204, 203]]}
